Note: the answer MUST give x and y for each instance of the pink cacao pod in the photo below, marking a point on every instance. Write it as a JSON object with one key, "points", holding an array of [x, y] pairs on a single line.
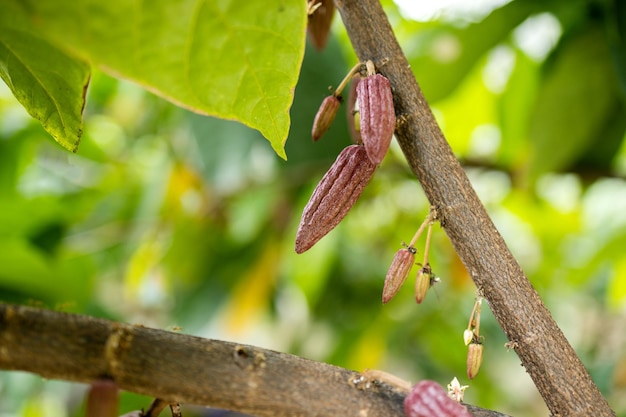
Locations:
{"points": [[377, 115], [334, 196], [429, 399]]}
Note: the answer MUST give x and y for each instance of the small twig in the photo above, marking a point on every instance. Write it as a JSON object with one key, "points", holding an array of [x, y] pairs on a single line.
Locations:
{"points": [[155, 408]]}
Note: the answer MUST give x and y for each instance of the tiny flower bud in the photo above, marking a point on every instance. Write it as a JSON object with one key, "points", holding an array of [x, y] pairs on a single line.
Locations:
{"points": [[474, 359], [325, 116], [423, 283], [398, 272], [468, 335], [456, 390]]}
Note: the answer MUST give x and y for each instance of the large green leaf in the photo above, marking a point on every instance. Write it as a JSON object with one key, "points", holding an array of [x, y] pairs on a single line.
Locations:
{"points": [[577, 99], [45, 80], [234, 59]]}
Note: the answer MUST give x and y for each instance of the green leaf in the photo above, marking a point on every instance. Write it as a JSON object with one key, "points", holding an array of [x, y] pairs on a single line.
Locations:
{"points": [[45, 80], [232, 59], [577, 99], [515, 107]]}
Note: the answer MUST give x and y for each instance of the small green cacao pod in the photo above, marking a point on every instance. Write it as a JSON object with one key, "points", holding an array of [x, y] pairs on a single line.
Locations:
{"points": [[423, 283], [474, 359]]}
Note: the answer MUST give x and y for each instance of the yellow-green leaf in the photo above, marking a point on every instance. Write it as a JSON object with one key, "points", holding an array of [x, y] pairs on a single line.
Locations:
{"points": [[232, 59]]}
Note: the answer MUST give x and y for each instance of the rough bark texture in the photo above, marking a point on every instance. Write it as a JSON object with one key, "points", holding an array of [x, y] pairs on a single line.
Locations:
{"points": [[553, 365], [191, 370]]}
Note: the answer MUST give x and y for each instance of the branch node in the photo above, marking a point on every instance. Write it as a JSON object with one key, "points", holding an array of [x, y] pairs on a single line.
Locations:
{"points": [[247, 359], [117, 345]]}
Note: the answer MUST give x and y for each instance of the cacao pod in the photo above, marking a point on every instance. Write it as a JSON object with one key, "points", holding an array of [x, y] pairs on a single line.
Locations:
{"points": [[334, 196], [398, 272], [377, 115], [320, 21], [429, 399], [325, 116]]}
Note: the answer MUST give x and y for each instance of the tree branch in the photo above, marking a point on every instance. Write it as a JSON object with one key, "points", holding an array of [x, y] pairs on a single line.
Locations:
{"points": [[180, 368], [551, 362]]}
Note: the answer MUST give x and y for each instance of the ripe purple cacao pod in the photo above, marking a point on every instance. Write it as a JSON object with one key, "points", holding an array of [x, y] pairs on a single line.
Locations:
{"points": [[320, 21], [334, 196], [325, 116], [377, 115], [429, 399], [398, 272]]}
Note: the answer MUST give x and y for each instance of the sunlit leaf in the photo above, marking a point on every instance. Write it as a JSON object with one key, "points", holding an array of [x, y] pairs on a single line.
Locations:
{"points": [[616, 292], [231, 59], [49, 83]]}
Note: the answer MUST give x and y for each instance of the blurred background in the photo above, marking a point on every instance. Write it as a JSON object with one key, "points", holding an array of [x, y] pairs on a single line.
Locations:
{"points": [[187, 223]]}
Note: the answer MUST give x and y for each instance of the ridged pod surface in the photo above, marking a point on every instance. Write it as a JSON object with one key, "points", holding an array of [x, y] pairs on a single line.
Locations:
{"points": [[334, 196], [474, 359], [377, 115], [398, 272], [325, 117], [429, 399]]}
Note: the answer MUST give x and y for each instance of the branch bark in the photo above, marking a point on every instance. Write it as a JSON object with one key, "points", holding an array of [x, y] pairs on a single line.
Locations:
{"points": [[559, 375], [191, 370]]}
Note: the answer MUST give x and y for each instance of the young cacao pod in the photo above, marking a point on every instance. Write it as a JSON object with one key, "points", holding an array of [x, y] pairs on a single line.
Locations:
{"points": [[423, 283], [320, 21], [377, 115], [334, 196], [474, 359], [325, 116], [398, 272]]}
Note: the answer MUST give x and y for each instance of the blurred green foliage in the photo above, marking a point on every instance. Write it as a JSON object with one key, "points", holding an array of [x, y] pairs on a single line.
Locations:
{"points": [[171, 219]]}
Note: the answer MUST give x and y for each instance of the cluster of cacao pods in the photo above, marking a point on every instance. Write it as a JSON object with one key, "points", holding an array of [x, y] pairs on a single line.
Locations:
{"points": [[372, 120], [344, 182]]}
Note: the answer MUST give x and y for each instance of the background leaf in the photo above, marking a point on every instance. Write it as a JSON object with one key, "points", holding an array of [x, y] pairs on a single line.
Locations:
{"points": [[441, 55], [578, 98], [235, 60]]}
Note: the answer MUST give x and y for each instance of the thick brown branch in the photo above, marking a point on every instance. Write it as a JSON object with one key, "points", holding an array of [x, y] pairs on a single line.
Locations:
{"points": [[180, 368], [553, 365]]}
